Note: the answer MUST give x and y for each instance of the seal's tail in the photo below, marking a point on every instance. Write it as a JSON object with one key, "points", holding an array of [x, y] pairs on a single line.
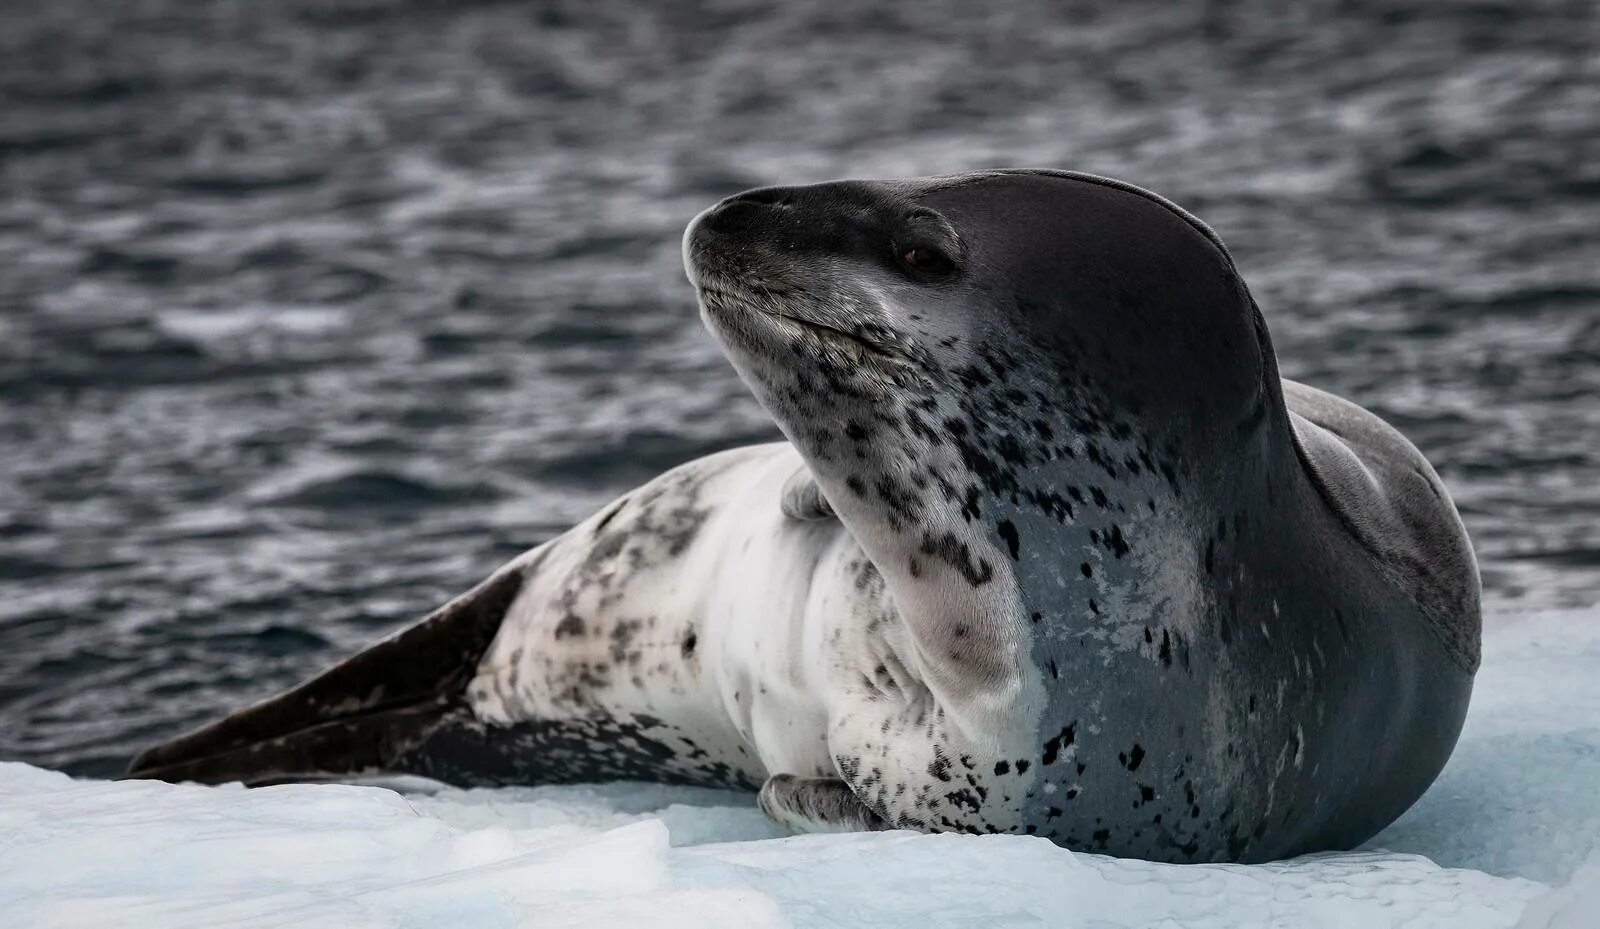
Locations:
{"points": [[379, 712]]}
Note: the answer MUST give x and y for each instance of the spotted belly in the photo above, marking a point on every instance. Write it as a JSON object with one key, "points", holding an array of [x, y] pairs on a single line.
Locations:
{"points": [[677, 635]]}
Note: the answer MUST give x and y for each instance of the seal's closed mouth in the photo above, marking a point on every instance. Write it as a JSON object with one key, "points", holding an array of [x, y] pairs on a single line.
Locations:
{"points": [[721, 295], [830, 332]]}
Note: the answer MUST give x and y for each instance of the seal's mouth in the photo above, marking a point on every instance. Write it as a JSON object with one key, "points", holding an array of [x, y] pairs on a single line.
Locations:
{"points": [[783, 310]]}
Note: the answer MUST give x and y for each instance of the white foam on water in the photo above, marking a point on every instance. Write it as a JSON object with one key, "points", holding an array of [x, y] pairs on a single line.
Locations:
{"points": [[1507, 837]]}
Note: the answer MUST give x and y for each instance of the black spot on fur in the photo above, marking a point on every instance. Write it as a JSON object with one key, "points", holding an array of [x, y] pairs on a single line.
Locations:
{"points": [[958, 555], [1008, 532], [1052, 748]]}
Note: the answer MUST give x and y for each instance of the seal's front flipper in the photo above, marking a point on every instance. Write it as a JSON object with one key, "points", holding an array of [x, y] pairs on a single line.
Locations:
{"points": [[816, 804], [373, 714], [803, 499]]}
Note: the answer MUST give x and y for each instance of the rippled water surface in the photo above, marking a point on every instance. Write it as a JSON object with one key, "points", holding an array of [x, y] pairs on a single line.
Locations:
{"points": [[311, 314]]}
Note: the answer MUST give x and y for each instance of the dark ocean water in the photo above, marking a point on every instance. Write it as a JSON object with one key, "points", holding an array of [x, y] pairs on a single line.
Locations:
{"points": [[311, 314]]}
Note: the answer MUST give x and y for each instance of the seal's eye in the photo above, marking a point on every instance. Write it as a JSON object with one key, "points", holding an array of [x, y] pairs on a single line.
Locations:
{"points": [[926, 261]]}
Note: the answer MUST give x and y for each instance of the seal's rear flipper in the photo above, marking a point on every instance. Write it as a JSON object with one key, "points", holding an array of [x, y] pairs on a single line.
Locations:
{"points": [[372, 714]]}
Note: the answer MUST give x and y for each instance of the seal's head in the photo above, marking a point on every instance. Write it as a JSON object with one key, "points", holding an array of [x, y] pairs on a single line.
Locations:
{"points": [[860, 283]]}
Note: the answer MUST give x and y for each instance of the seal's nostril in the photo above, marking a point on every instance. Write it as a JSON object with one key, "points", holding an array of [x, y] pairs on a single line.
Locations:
{"points": [[731, 216], [770, 196], [740, 211]]}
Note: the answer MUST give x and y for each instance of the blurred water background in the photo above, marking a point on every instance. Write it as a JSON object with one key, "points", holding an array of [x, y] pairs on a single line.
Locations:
{"points": [[313, 313]]}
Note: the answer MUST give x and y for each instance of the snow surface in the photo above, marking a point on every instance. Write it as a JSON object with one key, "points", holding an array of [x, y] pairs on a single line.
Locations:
{"points": [[1506, 838]]}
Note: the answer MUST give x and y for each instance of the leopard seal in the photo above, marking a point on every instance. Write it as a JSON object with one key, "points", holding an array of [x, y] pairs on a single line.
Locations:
{"points": [[1051, 549]]}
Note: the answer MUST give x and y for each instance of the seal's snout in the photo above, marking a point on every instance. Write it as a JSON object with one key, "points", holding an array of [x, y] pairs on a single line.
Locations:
{"points": [[725, 240]]}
